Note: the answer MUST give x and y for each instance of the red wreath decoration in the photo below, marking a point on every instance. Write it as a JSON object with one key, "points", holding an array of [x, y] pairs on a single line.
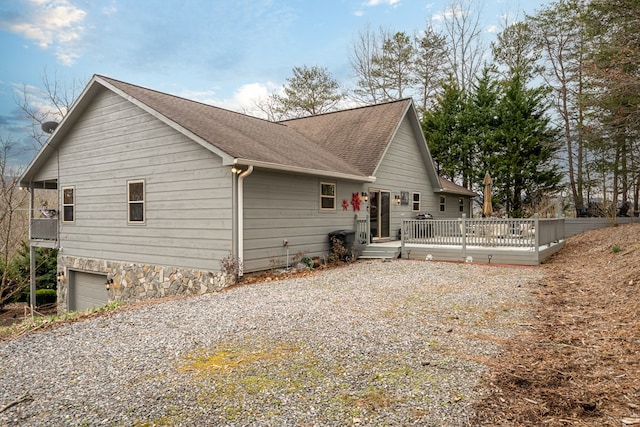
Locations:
{"points": [[355, 201], [345, 204]]}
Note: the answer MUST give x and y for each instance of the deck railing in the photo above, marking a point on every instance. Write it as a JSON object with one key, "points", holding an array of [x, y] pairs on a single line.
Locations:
{"points": [[44, 229], [362, 231], [484, 232]]}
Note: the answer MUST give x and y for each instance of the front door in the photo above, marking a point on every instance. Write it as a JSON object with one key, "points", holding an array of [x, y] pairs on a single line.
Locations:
{"points": [[380, 213]]}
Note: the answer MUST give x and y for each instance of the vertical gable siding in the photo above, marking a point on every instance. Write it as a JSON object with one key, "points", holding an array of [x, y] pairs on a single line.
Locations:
{"points": [[280, 206], [403, 168], [188, 192]]}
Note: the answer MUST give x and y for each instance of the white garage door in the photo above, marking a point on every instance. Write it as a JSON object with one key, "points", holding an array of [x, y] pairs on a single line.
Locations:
{"points": [[87, 290]]}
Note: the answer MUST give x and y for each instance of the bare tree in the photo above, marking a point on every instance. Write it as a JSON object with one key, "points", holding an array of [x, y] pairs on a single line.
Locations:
{"points": [[365, 48], [51, 102], [430, 48], [13, 219], [559, 35], [464, 42]]}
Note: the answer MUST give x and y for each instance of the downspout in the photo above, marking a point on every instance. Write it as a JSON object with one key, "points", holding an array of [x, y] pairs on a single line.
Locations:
{"points": [[32, 255], [241, 178]]}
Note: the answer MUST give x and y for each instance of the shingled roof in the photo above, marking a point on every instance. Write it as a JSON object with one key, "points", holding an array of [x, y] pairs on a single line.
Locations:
{"points": [[360, 135], [243, 137], [347, 144]]}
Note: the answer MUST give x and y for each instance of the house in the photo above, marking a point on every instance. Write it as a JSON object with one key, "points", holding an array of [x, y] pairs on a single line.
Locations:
{"points": [[156, 191]]}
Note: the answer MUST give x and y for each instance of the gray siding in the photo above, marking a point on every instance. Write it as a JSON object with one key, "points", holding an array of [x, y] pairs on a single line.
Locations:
{"points": [[403, 168], [281, 206], [452, 206], [188, 192]]}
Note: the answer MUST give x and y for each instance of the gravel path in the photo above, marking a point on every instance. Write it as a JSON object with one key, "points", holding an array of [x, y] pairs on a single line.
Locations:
{"points": [[370, 344]]}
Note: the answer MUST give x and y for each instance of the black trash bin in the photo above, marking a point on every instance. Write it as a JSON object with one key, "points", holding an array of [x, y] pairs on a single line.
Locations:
{"points": [[344, 239]]}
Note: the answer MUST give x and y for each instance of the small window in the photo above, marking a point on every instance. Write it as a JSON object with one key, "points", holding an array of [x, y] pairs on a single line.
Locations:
{"points": [[415, 197], [443, 203], [327, 196], [68, 204], [461, 204], [135, 190]]}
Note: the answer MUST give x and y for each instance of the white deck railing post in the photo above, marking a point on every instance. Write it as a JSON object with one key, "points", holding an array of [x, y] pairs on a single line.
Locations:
{"points": [[536, 219], [463, 230]]}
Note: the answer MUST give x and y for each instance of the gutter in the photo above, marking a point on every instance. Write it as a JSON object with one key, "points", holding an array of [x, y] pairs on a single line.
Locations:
{"points": [[306, 171], [241, 178]]}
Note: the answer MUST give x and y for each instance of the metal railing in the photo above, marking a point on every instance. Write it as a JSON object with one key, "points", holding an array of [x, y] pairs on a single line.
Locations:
{"points": [[44, 229]]}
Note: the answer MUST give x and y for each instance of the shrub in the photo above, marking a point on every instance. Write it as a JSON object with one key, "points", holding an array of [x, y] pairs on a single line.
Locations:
{"points": [[44, 297]]}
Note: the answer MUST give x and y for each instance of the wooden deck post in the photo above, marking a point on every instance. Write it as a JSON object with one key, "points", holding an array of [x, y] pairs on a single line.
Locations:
{"points": [[463, 230], [536, 226]]}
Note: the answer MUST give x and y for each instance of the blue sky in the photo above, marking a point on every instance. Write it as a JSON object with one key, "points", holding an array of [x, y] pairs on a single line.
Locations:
{"points": [[223, 52]]}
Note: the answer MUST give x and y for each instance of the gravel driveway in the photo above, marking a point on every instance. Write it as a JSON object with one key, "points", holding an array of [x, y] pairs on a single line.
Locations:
{"points": [[369, 344]]}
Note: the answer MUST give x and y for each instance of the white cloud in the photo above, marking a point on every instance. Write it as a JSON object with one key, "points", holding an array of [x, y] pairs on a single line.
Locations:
{"points": [[243, 99], [372, 3], [51, 23], [493, 29]]}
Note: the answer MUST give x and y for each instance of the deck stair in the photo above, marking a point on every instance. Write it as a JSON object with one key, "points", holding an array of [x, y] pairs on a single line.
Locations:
{"points": [[380, 252]]}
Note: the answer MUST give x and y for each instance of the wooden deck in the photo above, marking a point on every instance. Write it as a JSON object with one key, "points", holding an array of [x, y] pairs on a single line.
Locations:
{"points": [[497, 241]]}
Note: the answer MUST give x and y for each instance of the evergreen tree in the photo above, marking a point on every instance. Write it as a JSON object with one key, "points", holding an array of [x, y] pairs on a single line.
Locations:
{"points": [[311, 91], [482, 115], [524, 168], [445, 133]]}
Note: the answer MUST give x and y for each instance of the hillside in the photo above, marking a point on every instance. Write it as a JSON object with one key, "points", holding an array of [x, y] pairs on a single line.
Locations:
{"points": [[579, 362]]}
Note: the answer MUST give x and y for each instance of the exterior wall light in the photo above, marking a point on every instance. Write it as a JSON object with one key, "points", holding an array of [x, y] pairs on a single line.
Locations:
{"points": [[365, 196], [397, 199]]}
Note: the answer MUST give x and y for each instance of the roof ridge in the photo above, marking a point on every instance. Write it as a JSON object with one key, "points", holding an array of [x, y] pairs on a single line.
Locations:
{"points": [[347, 109], [185, 99]]}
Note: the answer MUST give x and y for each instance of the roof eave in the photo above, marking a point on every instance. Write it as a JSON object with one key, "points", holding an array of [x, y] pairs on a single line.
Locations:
{"points": [[302, 170]]}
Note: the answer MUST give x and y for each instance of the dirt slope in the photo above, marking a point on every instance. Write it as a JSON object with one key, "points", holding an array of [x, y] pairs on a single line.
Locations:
{"points": [[579, 362]]}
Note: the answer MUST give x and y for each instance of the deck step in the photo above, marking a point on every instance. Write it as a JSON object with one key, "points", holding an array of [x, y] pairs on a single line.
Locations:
{"points": [[380, 252]]}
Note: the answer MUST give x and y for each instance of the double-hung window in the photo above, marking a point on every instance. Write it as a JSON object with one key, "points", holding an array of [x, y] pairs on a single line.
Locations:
{"points": [[327, 196], [136, 199], [68, 204], [443, 203], [415, 201]]}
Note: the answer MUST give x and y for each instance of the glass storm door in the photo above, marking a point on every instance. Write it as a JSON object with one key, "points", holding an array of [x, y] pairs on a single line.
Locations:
{"points": [[380, 213]]}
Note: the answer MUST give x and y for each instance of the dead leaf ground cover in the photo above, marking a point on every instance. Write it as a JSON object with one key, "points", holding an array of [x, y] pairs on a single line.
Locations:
{"points": [[579, 361]]}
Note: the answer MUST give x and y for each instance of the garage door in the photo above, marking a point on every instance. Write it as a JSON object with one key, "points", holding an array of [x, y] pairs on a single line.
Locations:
{"points": [[87, 290]]}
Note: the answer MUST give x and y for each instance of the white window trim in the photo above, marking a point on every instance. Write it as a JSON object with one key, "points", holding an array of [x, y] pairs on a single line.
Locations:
{"points": [[143, 202], [443, 204], [334, 197], [413, 202], [73, 204]]}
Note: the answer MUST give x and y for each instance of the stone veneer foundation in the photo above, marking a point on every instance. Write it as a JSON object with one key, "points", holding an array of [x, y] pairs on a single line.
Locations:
{"points": [[137, 282]]}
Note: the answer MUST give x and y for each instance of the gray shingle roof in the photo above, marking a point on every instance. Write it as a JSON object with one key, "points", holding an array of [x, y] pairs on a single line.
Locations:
{"points": [[360, 135], [238, 135]]}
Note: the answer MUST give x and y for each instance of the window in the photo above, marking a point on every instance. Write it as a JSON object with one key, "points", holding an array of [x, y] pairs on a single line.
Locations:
{"points": [[461, 204], [415, 197], [135, 192], [327, 196], [443, 203], [68, 204]]}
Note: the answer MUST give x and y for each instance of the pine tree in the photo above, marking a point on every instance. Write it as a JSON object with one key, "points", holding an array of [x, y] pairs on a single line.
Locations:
{"points": [[524, 168]]}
